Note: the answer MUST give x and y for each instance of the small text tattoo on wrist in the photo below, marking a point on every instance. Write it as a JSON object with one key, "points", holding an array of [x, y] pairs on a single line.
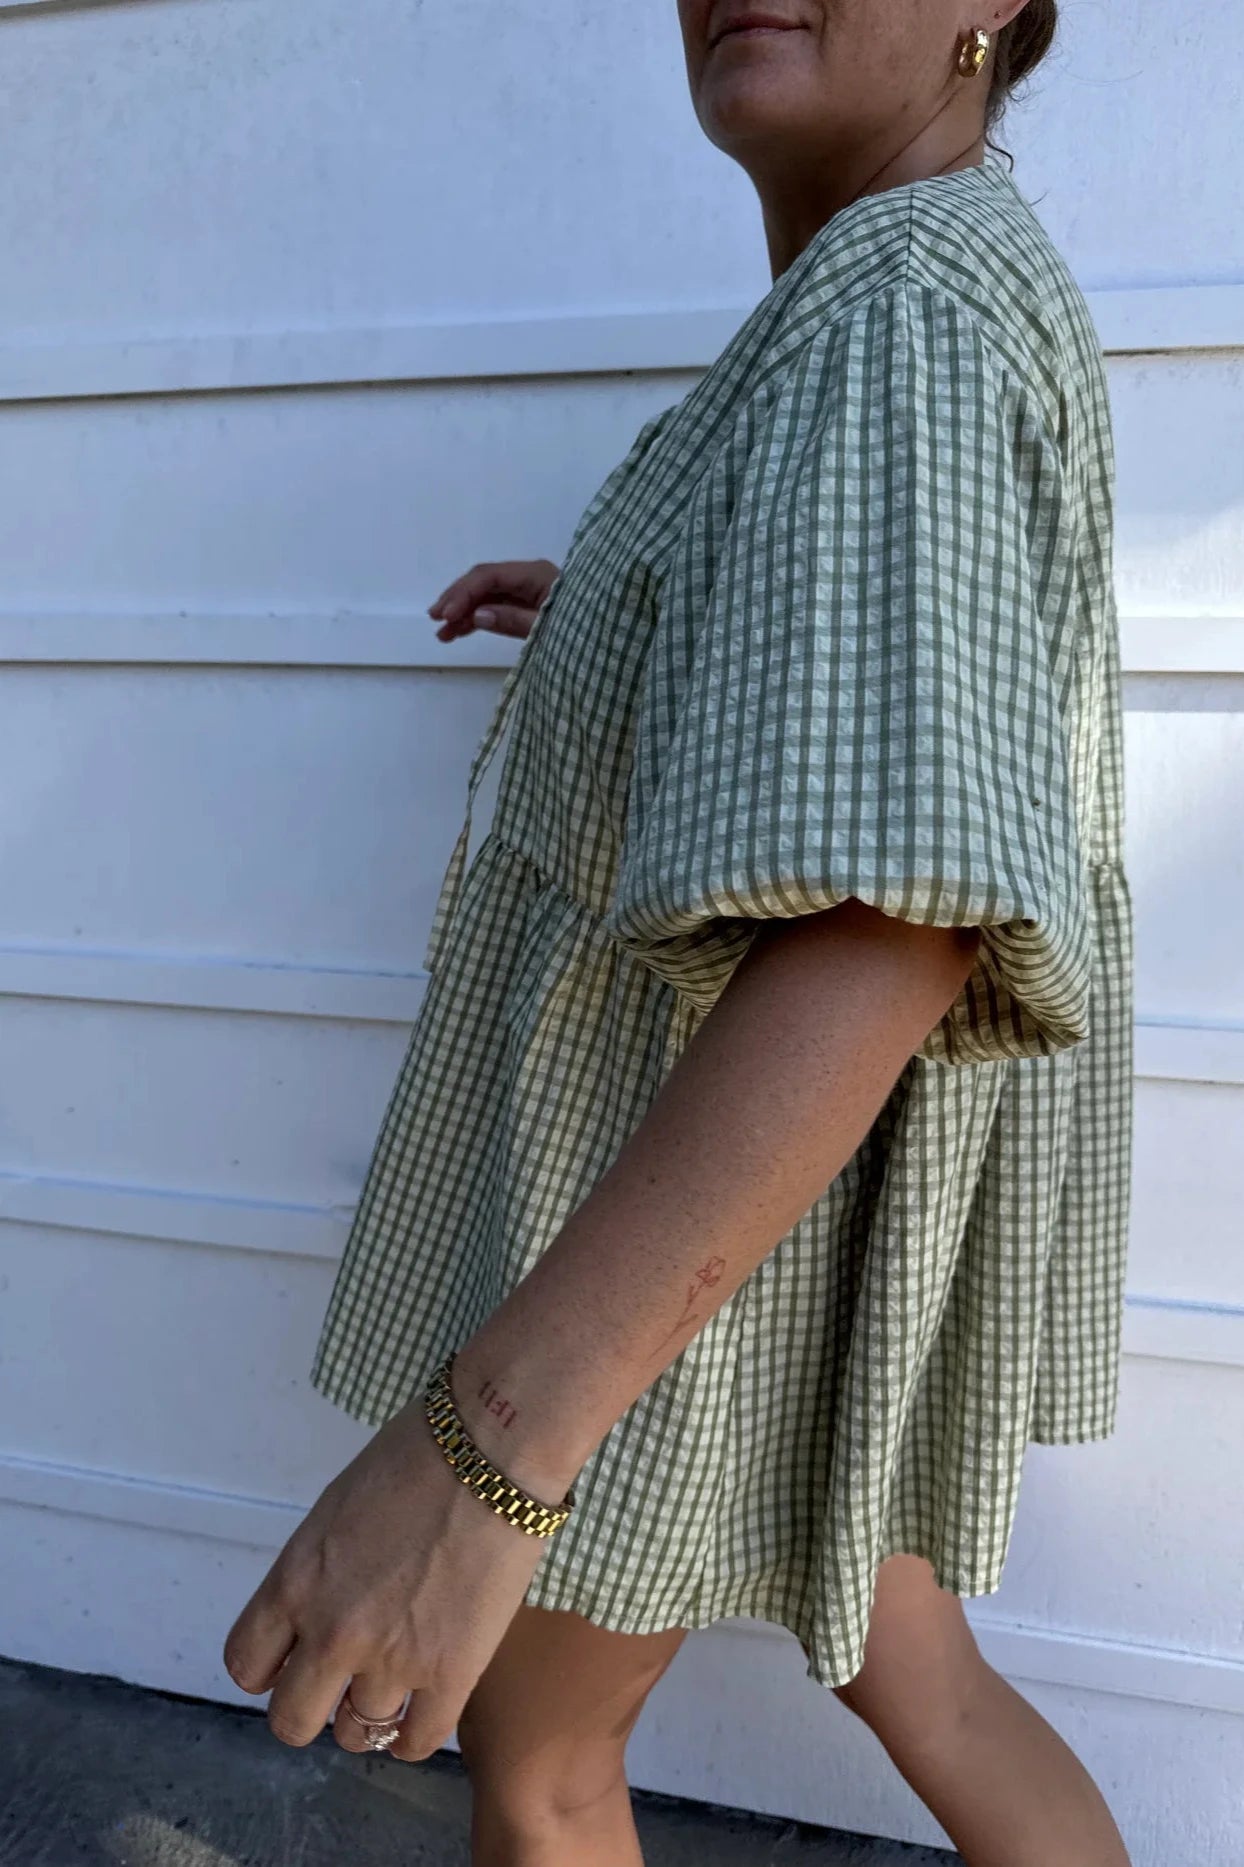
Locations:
{"points": [[495, 1404]]}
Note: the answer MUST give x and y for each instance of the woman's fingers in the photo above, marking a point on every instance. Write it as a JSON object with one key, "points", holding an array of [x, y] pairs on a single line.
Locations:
{"points": [[309, 1686], [431, 1720], [426, 1718], [371, 1586], [497, 618], [524, 582], [375, 1695], [260, 1640]]}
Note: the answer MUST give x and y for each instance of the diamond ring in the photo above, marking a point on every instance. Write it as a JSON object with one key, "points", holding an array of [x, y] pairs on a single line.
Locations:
{"points": [[381, 1732]]}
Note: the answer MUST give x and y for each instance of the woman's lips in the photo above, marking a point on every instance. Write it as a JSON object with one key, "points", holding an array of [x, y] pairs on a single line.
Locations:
{"points": [[752, 32]]}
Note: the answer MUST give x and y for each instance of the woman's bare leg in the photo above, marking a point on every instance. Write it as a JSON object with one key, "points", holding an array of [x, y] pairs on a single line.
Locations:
{"points": [[999, 1779], [544, 1732], [543, 1736]]}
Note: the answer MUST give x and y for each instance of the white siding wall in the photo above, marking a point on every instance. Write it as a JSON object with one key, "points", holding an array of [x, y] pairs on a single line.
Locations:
{"points": [[306, 308]]}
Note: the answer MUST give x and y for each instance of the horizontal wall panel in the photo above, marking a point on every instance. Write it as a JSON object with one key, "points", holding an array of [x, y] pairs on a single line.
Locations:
{"points": [[607, 343], [1189, 1311], [303, 176], [352, 641], [1184, 776], [1149, 644], [192, 1511], [1179, 537], [1187, 1190], [61, 1604], [223, 1340], [1070, 1661], [214, 1330], [1167, 1675], [1069, 1658], [300, 820], [1180, 1331], [1181, 317], [1159, 1496], [1185, 318], [218, 984], [303, 820], [1189, 1051], [735, 1707], [279, 1227], [1174, 1050], [357, 501], [24, 8], [304, 172], [365, 501], [243, 1107], [1176, 644]]}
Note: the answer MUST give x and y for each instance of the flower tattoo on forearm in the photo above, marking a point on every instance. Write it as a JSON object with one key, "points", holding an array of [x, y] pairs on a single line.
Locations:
{"points": [[707, 1274]]}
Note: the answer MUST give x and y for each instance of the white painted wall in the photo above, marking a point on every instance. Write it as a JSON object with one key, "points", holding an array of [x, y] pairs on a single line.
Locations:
{"points": [[307, 307]]}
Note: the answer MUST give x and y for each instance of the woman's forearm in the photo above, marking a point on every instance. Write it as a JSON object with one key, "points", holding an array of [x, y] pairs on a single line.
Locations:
{"points": [[759, 1114]]}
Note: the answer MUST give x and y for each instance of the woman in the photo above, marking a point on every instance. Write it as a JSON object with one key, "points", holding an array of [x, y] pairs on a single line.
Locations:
{"points": [[761, 1153]]}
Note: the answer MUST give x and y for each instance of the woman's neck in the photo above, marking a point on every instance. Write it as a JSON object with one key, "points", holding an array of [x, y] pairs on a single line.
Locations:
{"points": [[796, 206]]}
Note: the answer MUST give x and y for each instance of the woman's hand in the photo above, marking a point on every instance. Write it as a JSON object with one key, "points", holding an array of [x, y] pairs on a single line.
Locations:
{"points": [[503, 598], [398, 1579]]}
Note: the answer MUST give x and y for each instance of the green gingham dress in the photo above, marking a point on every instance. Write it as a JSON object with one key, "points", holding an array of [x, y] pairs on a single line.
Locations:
{"points": [[841, 623]]}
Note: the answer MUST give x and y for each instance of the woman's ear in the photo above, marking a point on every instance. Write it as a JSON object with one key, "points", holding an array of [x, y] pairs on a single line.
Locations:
{"points": [[1002, 15]]}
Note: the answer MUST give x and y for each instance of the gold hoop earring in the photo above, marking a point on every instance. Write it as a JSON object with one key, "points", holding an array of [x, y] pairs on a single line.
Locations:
{"points": [[973, 51]]}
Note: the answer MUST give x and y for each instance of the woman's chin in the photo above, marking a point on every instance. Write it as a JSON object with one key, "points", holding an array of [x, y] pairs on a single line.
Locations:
{"points": [[746, 112]]}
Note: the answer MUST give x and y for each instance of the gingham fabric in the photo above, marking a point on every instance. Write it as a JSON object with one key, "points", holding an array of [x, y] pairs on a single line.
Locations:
{"points": [[841, 623]]}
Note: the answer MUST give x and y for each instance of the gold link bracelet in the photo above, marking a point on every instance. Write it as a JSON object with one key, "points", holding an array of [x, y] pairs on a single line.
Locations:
{"points": [[478, 1473]]}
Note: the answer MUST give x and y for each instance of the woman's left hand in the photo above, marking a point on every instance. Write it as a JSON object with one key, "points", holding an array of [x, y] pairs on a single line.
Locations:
{"points": [[398, 1579]]}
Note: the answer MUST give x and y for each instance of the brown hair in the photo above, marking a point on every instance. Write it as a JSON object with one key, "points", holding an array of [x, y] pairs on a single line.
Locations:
{"points": [[1020, 48]]}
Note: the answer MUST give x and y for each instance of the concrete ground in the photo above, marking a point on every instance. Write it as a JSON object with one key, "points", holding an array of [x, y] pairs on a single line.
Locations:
{"points": [[94, 1773]]}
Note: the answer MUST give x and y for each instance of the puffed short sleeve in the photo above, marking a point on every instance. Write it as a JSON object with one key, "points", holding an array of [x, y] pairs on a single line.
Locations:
{"points": [[874, 699]]}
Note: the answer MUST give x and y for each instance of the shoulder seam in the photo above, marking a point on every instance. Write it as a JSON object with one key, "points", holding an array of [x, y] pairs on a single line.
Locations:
{"points": [[906, 284]]}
